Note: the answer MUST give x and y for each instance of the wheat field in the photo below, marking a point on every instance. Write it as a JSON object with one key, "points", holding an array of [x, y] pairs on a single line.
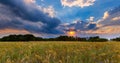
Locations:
{"points": [[59, 52]]}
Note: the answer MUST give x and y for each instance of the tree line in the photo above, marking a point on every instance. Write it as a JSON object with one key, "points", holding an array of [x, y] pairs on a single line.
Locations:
{"points": [[116, 39], [30, 37]]}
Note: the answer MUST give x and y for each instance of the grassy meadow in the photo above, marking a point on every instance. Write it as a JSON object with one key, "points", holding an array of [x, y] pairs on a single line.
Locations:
{"points": [[60, 52]]}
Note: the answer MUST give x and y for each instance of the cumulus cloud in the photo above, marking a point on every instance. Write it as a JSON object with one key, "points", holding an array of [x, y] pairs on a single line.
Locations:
{"points": [[25, 15], [116, 18], [109, 30], [107, 25], [106, 15], [29, 1], [79, 3], [111, 18], [79, 26], [91, 19], [48, 10], [101, 20], [110, 23]]}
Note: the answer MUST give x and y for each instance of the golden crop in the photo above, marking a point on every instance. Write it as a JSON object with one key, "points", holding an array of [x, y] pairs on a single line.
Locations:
{"points": [[59, 52]]}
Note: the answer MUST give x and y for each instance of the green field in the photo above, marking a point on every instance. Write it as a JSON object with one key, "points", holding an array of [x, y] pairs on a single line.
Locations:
{"points": [[59, 52]]}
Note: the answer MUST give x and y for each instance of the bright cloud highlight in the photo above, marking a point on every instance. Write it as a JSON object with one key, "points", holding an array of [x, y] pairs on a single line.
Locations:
{"points": [[78, 3]]}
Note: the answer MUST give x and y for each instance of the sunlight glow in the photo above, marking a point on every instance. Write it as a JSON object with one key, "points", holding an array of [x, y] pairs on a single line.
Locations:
{"points": [[71, 33]]}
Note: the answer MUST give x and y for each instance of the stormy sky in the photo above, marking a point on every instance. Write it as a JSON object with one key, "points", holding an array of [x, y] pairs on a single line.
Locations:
{"points": [[52, 18]]}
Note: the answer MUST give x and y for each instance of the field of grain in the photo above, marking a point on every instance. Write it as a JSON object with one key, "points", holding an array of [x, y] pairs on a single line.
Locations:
{"points": [[59, 52]]}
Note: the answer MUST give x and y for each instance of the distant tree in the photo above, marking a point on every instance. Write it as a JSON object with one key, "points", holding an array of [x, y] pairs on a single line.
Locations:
{"points": [[82, 39], [65, 38], [30, 37], [97, 39], [27, 37], [116, 39]]}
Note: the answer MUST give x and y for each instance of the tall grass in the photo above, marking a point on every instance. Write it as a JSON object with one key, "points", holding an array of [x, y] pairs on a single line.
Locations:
{"points": [[59, 52]]}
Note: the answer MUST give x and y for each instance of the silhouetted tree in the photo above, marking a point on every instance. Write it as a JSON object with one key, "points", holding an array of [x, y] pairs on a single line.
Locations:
{"points": [[30, 37], [27, 37], [97, 39], [116, 39]]}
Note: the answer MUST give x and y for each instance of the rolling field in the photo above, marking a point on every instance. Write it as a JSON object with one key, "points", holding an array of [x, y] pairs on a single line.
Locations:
{"points": [[59, 52]]}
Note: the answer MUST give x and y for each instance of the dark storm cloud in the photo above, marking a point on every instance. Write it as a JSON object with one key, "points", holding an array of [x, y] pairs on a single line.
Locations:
{"points": [[17, 14]]}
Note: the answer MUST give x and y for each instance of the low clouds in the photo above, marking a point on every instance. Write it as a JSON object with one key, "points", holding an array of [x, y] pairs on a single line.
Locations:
{"points": [[110, 23], [77, 3], [26, 15], [112, 18], [79, 26], [116, 18], [12, 31]]}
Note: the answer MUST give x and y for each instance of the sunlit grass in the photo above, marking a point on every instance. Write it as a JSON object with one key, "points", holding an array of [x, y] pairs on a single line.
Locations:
{"points": [[59, 52]]}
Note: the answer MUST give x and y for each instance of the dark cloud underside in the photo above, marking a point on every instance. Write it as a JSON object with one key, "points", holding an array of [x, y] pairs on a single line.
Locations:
{"points": [[18, 14]]}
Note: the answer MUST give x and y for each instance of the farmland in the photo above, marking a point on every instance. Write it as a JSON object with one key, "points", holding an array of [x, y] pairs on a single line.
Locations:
{"points": [[59, 52]]}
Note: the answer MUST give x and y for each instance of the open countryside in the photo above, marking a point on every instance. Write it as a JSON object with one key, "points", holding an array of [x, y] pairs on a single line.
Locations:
{"points": [[59, 31], [59, 52]]}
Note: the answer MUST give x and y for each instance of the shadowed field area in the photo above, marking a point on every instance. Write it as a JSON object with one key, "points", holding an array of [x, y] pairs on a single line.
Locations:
{"points": [[59, 52]]}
